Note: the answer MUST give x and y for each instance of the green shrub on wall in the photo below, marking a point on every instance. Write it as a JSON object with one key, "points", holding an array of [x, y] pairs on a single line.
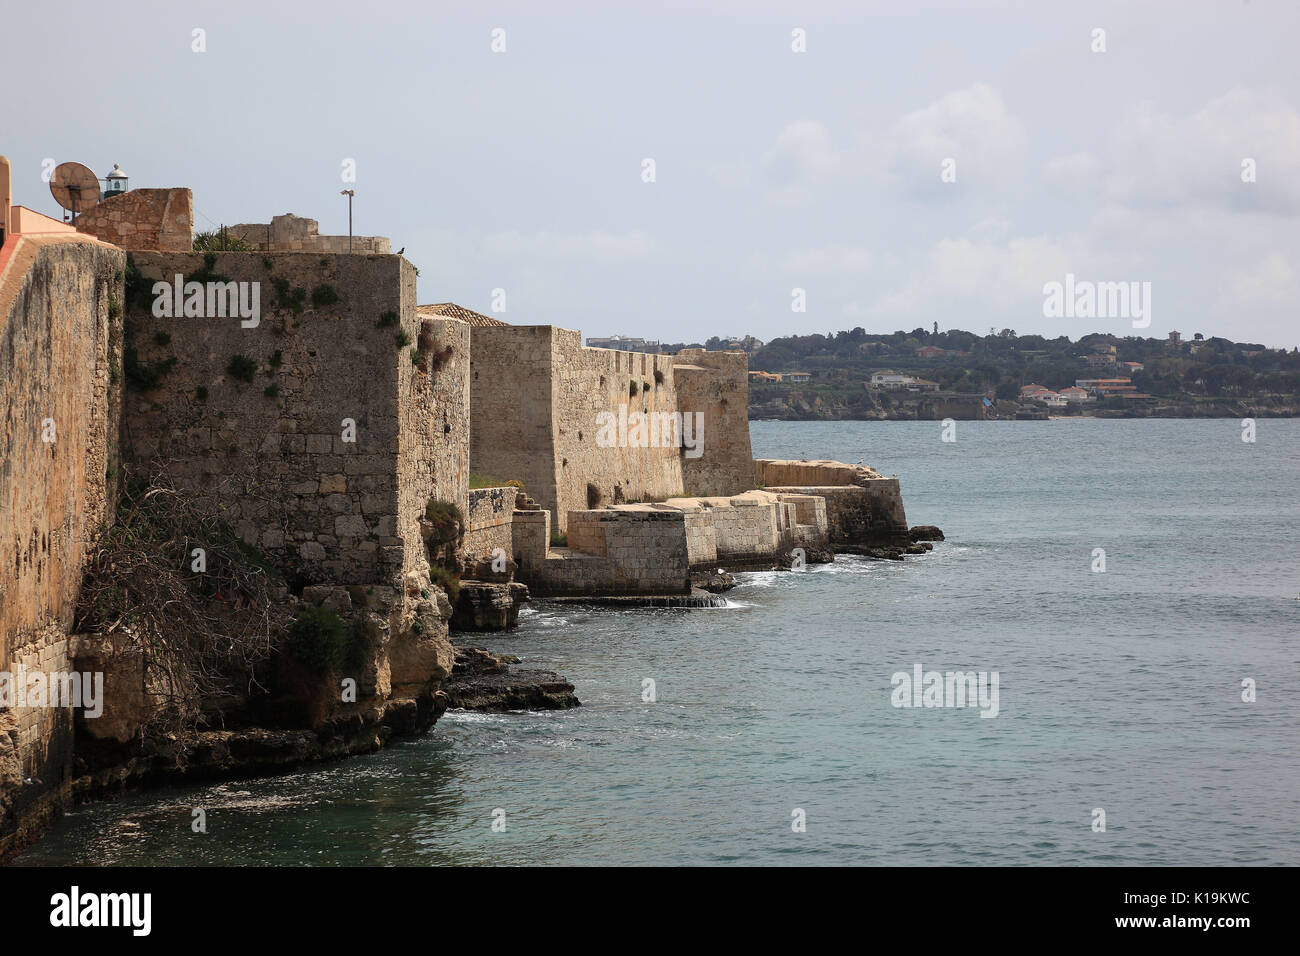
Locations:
{"points": [[319, 639], [324, 295], [241, 367], [448, 580]]}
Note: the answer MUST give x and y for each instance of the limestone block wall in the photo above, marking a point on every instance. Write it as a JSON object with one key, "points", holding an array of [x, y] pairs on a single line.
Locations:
{"points": [[156, 220], [587, 533], [588, 382], [275, 452], [862, 506], [290, 233], [809, 522], [701, 538], [510, 407], [747, 531], [489, 521], [859, 515], [531, 540], [60, 363], [774, 472], [717, 384], [644, 552], [433, 417], [537, 395]]}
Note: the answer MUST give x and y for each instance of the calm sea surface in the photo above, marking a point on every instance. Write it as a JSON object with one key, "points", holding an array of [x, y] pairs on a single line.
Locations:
{"points": [[1118, 690]]}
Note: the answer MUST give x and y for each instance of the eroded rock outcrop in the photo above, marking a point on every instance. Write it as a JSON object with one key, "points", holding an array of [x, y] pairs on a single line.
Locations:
{"points": [[484, 681]]}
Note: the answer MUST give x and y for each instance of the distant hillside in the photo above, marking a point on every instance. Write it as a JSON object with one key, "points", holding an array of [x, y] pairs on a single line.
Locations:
{"points": [[1199, 377]]}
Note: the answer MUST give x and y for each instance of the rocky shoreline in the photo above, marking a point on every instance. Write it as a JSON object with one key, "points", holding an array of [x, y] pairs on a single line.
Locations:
{"points": [[484, 681]]}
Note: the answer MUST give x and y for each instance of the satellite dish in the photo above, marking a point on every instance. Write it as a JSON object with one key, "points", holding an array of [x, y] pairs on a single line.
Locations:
{"points": [[74, 187]]}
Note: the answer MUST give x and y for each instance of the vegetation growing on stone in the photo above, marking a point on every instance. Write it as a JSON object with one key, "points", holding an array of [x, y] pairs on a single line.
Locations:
{"points": [[446, 579], [319, 639], [445, 517], [289, 297], [144, 376], [203, 631], [241, 367], [220, 240], [324, 295]]}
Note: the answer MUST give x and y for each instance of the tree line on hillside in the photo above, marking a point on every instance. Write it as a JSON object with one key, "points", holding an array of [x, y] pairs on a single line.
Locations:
{"points": [[1001, 362]]}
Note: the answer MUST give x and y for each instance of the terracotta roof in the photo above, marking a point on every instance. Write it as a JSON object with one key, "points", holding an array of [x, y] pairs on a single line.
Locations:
{"points": [[451, 310]]}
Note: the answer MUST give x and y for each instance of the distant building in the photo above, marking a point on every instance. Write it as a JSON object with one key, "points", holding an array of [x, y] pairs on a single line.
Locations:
{"points": [[624, 343], [1131, 367], [1100, 359], [888, 379], [796, 376], [747, 344], [1075, 394], [1105, 387], [756, 376], [893, 381], [1175, 340], [929, 352]]}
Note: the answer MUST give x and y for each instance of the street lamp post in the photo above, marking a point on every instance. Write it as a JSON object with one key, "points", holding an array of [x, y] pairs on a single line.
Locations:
{"points": [[349, 193]]}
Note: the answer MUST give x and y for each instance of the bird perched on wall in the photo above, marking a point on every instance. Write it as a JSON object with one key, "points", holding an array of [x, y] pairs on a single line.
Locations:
{"points": [[401, 250]]}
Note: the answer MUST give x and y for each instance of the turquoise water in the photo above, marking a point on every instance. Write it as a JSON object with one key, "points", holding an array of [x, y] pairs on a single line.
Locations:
{"points": [[1118, 690]]}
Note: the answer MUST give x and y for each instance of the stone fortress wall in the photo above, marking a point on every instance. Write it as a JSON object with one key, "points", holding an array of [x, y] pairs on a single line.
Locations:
{"points": [[290, 233], [537, 400], [321, 431], [291, 482], [60, 359]]}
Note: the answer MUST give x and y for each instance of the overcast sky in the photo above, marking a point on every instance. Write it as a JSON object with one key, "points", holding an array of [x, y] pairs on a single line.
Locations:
{"points": [[523, 170]]}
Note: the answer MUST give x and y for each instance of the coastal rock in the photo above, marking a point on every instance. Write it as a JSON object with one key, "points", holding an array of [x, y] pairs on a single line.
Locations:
{"points": [[487, 682], [715, 582], [925, 532], [488, 606]]}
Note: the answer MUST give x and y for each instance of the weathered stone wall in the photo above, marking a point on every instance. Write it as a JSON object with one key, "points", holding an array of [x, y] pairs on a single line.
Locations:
{"points": [[155, 220], [290, 233], [511, 407], [434, 415], [770, 471], [489, 522], [862, 507], [587, 383], [280, 464], [644, 552], [59, 374], [716, 384], [859, 515], [538, 397], [642, 548]]}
